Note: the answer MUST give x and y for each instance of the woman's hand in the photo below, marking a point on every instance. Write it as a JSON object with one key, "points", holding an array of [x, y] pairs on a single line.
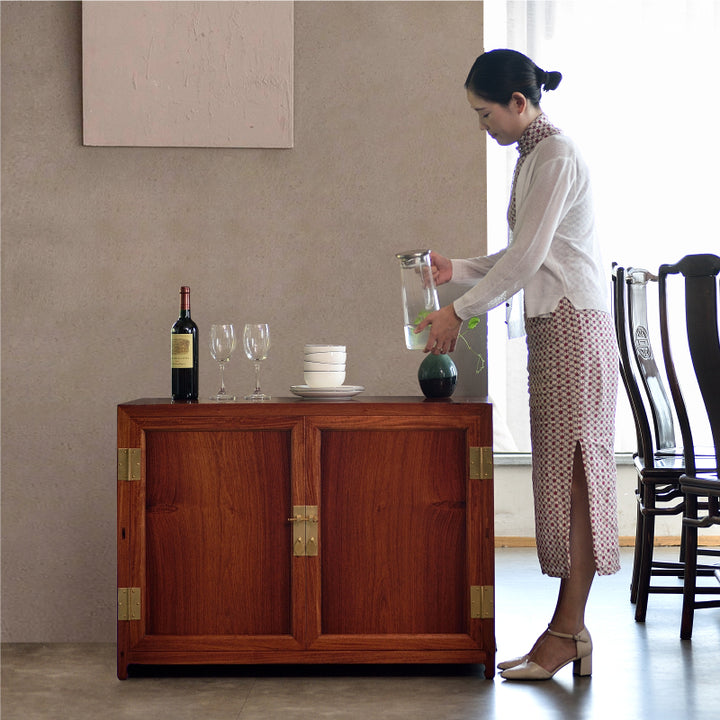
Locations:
{"points": [[441, 268], [444, 330]]}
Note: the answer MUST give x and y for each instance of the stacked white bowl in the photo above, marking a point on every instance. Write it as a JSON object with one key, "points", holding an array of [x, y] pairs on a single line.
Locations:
{"points": [[325, 365]]}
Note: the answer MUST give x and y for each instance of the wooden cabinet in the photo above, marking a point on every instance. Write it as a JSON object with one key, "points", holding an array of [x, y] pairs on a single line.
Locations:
{"points": [[298, 531]]}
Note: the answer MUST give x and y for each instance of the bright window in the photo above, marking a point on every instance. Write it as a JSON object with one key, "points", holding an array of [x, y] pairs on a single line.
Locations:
{"points": [[640, 97]]}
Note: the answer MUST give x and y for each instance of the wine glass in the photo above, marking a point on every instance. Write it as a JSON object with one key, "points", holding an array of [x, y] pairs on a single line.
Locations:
{"points": [[256, 340], [222, 344]]}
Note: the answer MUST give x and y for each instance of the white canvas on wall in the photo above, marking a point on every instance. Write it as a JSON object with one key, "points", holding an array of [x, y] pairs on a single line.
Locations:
{"points": [[188, 74]]}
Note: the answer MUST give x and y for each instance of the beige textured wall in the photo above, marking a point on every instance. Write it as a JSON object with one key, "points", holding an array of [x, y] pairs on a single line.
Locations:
{"points": [[97, 241]]}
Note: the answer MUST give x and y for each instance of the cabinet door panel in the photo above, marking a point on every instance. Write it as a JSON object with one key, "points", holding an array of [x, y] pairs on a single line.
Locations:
{"points": [[218, 560], [393, 513]]}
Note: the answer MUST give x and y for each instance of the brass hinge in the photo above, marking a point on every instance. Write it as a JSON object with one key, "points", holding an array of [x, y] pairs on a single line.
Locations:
{"points": [[129, 604], [482, 601], [481, 463], [128, 464], [305, 530]]}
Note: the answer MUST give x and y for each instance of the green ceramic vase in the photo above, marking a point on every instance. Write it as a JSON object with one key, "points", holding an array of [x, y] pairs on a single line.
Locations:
{"points": [[437, 375]]}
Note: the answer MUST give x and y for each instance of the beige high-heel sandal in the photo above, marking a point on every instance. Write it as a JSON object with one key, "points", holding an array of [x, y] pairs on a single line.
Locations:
{"points": [[582, 661], [507, 664]]}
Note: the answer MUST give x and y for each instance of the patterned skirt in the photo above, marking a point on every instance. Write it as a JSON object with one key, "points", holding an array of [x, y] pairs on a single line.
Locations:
{"points": [[573, 380]]}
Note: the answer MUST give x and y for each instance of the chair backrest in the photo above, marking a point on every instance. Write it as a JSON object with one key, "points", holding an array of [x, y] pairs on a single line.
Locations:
{"points": [[638, 330], [627, 369], [701, 319]]}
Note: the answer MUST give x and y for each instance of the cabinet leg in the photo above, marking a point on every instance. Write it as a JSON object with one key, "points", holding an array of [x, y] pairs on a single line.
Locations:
{"points": [[122, 666]]}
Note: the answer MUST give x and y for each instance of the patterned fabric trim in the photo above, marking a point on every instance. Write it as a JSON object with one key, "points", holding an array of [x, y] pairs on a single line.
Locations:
{"points": [[539, 129]]}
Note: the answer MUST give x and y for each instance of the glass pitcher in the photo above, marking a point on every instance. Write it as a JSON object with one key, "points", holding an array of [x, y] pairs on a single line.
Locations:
{"points": [[418, 293]]}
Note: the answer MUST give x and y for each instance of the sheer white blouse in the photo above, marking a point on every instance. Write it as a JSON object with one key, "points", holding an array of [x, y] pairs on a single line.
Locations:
{"points": [[554, 250]]}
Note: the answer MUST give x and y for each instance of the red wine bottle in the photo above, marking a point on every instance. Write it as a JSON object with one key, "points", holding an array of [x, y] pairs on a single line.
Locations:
{"points": [[184, 353]]}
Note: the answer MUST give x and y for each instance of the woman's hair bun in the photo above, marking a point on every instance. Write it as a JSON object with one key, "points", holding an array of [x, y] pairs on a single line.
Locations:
{"points": [[497, 74], [552, 80]]}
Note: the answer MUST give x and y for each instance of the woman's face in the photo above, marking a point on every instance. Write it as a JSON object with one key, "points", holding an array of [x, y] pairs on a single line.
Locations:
{"points": [[503, 123]]}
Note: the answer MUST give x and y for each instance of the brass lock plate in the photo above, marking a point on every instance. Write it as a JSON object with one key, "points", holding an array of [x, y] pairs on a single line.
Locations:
{"points": [[305, 526]]}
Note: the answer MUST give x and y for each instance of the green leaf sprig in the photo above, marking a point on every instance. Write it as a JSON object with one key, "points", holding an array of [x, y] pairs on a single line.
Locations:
{"points": [[471, 325]]}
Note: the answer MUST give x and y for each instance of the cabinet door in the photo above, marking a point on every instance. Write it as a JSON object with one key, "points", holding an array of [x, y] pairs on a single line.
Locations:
{"points": [[217, 534], [205, 536], [404, 536]]}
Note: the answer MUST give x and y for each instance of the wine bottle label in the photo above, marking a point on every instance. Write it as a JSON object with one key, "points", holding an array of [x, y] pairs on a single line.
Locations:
{"points": [[181, 351]]}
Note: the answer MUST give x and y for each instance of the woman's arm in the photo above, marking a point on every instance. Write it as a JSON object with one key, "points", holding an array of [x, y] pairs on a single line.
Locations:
{"points": [[469, 270], [540, 211]]}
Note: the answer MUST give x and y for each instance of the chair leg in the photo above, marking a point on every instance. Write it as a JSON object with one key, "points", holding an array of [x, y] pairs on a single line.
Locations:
{"points": [[690, 534], [682, 547], [681, 558], [645, 572], [637, 555]]}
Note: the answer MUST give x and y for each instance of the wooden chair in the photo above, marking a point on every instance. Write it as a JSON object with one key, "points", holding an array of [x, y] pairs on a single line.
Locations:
{"points": [[659, 461], [701, 490], [656, 459]]}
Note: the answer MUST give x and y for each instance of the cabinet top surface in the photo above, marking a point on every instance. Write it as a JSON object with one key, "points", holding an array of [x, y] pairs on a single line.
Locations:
{"points": [[164, 408], [301, 402]]}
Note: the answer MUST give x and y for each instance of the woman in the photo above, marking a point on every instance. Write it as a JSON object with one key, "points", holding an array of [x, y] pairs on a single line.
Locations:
{"points": [[554, 257]]}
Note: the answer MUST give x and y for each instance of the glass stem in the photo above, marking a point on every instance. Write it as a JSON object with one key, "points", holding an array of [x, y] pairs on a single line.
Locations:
{"points": [[257, 378], [222, 379]]}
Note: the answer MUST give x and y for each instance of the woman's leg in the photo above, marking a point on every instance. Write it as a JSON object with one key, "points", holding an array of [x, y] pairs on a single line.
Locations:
{"points": [[569, 616]]}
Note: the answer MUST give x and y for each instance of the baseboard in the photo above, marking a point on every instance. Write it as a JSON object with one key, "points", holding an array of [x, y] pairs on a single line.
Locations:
{"points": [[671, 541], [510, 541]]}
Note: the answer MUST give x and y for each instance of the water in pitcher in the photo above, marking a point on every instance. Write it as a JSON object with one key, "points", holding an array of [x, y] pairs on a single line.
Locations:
{"points": [[413, 341], [419, 295]]}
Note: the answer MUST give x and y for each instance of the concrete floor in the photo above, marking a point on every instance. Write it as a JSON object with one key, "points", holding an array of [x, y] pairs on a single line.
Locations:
{"points": [[641, 672]]}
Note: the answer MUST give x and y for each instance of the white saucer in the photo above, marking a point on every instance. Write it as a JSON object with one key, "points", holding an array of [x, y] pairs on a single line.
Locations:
{"points": [[329, 393]]}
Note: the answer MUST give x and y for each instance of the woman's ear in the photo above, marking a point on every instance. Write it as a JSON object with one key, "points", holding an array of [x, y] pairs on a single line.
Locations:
{"points": [[518, 103]]}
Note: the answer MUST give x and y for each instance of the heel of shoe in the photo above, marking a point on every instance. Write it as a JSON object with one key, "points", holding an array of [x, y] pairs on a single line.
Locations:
{"points": [[583, 666]]}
